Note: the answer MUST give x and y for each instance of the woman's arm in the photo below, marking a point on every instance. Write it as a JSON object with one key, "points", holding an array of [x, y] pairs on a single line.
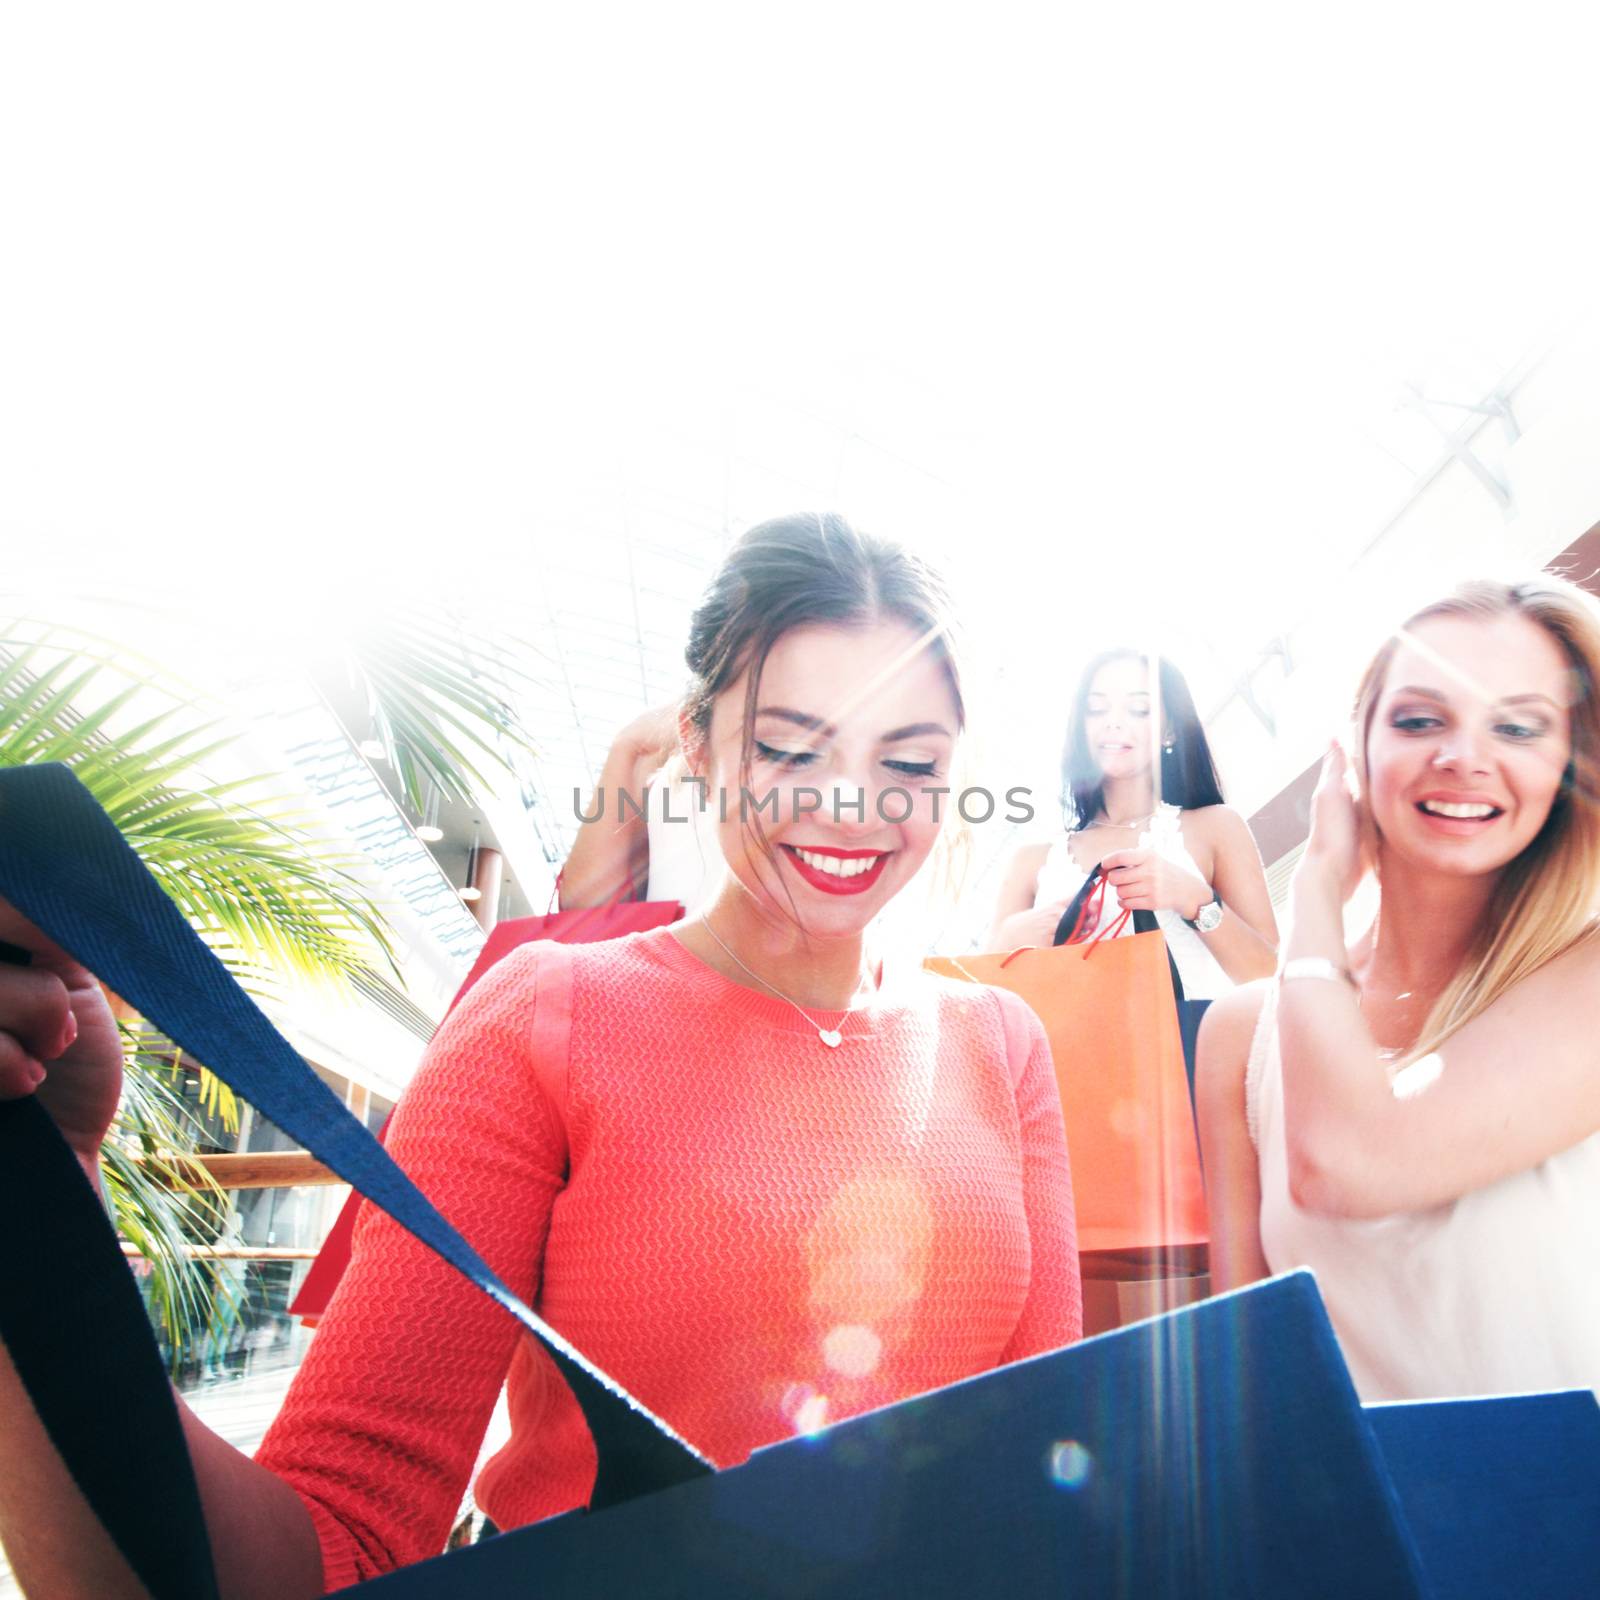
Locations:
{"points": [[262, 1540], [52, 1012], [1246, 942], [1518, 1084], [1016, 923], [1227, 1153], [610, 856], [382, 1426]]}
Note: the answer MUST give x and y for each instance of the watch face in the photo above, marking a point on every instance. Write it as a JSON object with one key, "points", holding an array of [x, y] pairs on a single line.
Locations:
{"points": [[1210, 918]]}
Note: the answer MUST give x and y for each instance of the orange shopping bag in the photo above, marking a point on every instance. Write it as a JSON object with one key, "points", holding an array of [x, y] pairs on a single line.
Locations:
{"points": [[1112, 1021]]}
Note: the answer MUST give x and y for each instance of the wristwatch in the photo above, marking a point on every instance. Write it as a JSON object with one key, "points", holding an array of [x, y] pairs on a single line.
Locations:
{"points": [[1209, 917]]}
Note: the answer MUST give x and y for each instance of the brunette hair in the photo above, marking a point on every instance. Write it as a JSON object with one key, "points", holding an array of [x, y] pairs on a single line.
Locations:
{"points": [[812, 568], [1546, 897], [1188, 774]]}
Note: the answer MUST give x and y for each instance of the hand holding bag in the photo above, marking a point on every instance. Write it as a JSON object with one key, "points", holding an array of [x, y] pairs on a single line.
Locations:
{"points": [[1108, 1008]]}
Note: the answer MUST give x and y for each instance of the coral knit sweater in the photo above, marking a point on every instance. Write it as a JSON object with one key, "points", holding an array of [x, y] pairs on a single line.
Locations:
{"points": [[752, 1232]]}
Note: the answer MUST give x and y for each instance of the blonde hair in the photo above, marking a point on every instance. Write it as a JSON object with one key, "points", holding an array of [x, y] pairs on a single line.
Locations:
{"points": [[1546, 897]]}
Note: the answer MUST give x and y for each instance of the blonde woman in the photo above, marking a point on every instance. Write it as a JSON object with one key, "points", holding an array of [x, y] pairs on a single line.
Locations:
{"points": [[1417, 1116]]}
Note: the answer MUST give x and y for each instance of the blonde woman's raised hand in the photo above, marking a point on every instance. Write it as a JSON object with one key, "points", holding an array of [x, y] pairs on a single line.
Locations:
{"points": [[1336, 851]]}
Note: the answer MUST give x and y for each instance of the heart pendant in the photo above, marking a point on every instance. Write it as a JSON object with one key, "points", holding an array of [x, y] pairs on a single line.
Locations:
{"points": [[830, 1037]]}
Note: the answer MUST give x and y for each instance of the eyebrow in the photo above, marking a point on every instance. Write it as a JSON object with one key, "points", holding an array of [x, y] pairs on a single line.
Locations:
{"points": [[1505, 700], [804, 719]]}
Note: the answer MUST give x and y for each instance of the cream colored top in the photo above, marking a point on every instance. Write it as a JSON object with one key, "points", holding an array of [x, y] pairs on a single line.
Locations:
{"points": [[1496, 1292]]}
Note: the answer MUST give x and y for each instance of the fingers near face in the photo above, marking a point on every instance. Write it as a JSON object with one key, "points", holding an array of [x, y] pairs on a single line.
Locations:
{"points": [[1468, 741]]}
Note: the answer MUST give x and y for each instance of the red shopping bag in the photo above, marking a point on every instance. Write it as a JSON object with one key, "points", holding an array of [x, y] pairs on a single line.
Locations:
{"points": [[586, 925]]}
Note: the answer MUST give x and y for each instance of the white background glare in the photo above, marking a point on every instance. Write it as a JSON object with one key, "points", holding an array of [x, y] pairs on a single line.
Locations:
{"points": [[1116, 311]]}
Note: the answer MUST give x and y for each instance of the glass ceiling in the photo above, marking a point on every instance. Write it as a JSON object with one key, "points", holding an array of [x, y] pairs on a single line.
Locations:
{"points": [[1139, 340]]}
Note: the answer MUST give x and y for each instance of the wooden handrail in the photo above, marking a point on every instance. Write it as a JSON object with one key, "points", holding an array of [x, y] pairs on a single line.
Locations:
{"points": [[240, 1252], [254, 1169]]}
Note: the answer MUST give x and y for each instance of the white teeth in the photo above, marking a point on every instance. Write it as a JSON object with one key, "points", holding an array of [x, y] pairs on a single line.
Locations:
{"points": [[1443, 808], [834, 866]]}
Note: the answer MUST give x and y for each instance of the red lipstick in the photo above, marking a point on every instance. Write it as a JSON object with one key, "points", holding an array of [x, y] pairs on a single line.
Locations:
{"points": [[827, 881]]}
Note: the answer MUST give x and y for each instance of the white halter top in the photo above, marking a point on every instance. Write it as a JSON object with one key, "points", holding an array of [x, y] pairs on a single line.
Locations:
{"points": [[1060, 878]]}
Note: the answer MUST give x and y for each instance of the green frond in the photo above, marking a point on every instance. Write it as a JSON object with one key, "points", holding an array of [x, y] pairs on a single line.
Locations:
{"points": [[160, 1207], [442, 707], [250, 868], [270, 889]]}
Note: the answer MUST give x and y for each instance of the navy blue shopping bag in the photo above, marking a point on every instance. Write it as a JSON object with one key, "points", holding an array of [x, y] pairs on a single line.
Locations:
{"points": [[1217, 1451]]}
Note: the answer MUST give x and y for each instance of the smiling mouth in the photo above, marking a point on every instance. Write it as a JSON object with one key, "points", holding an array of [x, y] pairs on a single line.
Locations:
{"points": [[1450, 811], [838, 871]]}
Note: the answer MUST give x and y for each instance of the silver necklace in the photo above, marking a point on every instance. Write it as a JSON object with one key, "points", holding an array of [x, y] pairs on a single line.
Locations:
{"points": [[829, 1036], [1132, 822]]}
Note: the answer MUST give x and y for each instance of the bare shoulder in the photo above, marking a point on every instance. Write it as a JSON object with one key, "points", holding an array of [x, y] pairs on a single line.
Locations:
{"points": [[1217, 825], [1023, 867], [1031, 856], [1584, 952], [1575, 971], [1226, 1032]]}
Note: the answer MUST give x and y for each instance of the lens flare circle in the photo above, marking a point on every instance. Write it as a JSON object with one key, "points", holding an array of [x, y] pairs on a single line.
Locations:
{"points": [[852, 1350], [1069, 1464]]}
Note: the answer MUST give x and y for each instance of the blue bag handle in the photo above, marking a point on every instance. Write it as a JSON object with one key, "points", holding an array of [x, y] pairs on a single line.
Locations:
{"points": [[70, 1313]]}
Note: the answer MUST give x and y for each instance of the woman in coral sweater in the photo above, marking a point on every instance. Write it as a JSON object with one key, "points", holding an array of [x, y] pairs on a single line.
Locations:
{"points": [[761, 1178]]}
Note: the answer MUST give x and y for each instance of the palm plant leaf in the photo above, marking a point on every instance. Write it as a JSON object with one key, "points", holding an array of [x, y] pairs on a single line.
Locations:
{"points": [[263, 890], [443, 707], [250, 869], [160, 1209], [232, 857]]}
